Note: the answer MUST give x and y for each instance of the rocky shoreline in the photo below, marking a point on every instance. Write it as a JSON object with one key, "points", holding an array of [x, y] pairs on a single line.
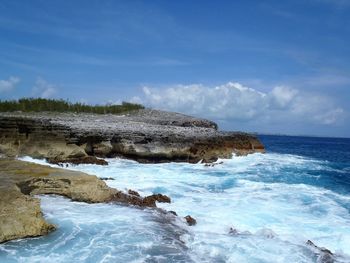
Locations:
{"points": [[149, 136], [20, 213]]}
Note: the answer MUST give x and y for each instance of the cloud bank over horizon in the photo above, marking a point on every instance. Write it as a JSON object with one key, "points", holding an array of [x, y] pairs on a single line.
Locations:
{"points": [[235, 103]]}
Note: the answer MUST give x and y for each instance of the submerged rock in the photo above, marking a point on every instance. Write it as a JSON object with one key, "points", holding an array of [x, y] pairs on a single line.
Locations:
{"points": [[324, 255], [266, 232], [190, 220], [172, 212], [212, 164], [235, 232], [107, 178], [148, 136]]}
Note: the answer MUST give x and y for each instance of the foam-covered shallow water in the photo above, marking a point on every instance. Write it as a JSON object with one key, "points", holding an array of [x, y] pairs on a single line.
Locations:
{"points": [[275, 201]]}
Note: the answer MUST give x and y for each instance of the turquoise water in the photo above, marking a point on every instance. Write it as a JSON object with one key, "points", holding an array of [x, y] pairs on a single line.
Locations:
{"points": [[299, 190]]}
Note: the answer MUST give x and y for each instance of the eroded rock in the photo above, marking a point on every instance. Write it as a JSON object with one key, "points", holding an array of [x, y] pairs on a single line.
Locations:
{"points": [[151, 200], [20, 214], [148, 136], [132, 192]]}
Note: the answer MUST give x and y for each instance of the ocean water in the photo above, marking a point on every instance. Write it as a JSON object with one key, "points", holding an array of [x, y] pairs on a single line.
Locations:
{"points": [[298, 191]]}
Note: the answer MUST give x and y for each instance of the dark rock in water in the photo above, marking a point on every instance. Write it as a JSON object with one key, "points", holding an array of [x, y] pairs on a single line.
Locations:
{"points": [[132, 192], [80, 160], [212, 164], [148, 201], [107, 178], [233, 231], [266, 232], [190, 220], [124, 198], [322, 249], [148, 136], [324, 254], [151, 200], [173, 212]]}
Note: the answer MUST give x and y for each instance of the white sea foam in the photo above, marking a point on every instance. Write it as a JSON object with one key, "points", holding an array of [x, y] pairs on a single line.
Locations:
{"points": [[273, 196]]}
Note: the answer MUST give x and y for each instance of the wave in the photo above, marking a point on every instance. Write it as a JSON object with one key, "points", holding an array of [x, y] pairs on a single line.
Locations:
{"points": [[285, 193]]}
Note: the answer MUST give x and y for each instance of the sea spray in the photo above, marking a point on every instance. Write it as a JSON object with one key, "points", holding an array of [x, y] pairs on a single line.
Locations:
{"points": [[274, 202]]}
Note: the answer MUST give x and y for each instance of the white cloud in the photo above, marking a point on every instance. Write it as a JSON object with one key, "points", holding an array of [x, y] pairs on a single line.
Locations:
{"points": [[235, 102], [43, 89], [8, 85], [282, 96]]}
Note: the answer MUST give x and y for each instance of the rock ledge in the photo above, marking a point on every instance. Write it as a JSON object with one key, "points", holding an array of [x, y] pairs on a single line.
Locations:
{"points": [[145, 135], [20, 214]]}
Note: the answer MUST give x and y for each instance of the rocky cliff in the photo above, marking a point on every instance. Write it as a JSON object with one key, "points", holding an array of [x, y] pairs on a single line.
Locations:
{"points": [[145, 136]]}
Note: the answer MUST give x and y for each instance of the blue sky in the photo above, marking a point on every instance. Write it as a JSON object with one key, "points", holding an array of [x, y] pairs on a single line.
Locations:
{"points": [[264, 66]]}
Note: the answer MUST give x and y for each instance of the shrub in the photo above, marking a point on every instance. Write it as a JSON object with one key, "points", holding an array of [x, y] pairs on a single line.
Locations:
{"points": [[39, 104]]}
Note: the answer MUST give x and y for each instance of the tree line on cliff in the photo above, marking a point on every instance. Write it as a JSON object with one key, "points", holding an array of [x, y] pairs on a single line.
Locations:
{"points": [[54, 105]]}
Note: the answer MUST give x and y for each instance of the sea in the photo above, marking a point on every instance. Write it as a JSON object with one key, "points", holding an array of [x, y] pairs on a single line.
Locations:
{"points": [[260, 208]]}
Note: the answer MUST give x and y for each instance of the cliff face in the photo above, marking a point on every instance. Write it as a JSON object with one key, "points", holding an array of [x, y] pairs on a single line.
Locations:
{"points": [[145, 136]]}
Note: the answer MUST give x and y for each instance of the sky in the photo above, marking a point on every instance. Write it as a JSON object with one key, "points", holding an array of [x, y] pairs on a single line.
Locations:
{"points": [[257, 66]]}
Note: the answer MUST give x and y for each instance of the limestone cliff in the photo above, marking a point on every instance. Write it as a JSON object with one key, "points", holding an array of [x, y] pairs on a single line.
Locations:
{"points": [[145, 136]]}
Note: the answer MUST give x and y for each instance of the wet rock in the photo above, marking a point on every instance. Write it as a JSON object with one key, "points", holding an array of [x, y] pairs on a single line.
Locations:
{"points": [[132, 192], [151, 200], [233, 231], [324, 255], [322, 249], [107, 178], [80, 160], [212, 164], [190, 220], [20, 216], [173, 212], [127, 199], [21, 181]]}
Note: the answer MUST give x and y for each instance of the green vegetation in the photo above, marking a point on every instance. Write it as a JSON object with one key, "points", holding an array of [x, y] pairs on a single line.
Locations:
{"points": [[39, 104]]}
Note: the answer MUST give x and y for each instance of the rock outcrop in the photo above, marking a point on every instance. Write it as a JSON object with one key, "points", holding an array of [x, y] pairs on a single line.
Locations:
{"points": [[324, 255], [145, 136], [20, 214]]}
